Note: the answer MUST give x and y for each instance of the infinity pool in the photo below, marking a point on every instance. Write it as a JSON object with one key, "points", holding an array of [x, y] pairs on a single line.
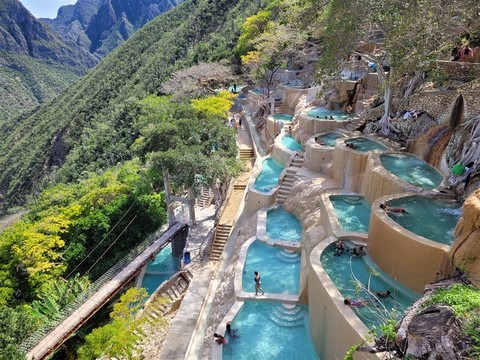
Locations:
{"points": [[330, 139], [289, 142], [353, 276], [320, 113], [279, 269], [271, 331], [283, 117], [363, 144], [353, 212], [268, 177], [431, 218], [282, 225], [411, 169], [160, 269]]}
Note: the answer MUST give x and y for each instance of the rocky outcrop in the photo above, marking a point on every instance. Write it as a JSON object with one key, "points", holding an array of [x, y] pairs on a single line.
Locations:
{"points": [[465, 252], [100, 26]]}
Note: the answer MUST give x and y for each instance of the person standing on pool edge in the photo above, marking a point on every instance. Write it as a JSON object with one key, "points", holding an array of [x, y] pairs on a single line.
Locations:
{"points": [[258, 283]]}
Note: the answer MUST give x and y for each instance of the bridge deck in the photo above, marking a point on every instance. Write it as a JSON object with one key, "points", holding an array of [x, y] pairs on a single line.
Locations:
{"points": [[73, 322]]}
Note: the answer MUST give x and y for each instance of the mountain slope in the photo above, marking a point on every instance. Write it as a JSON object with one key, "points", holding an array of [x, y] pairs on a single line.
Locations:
{"points": [[35, 62], [92, 120], [100, 26]]}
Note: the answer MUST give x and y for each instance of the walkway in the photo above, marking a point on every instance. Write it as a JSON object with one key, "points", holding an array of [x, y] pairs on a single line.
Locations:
{"points": [[73, 322]]}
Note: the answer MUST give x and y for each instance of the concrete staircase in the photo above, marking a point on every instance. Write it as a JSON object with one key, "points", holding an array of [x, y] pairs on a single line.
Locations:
{"points": [[165, 299], [205, 198], [246, 154], [368, 95], [222, 233], [289, 179]]}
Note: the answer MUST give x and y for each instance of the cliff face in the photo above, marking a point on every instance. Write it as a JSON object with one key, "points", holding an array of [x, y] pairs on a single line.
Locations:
{"points": [[465, 253], [100, 26]]}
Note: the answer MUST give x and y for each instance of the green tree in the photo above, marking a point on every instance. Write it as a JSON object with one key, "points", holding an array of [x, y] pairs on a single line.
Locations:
{"points": [[118, 338]]}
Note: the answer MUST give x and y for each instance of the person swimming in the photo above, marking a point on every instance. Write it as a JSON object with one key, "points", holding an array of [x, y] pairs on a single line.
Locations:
{"points": [[383, 294], [386, 208]]}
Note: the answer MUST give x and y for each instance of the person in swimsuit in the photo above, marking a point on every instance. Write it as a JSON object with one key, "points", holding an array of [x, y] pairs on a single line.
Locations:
{"points": [[386, 208], [258, 283], [383, 294], [359, 251], [220, 340], [231, 333], [339, 248], [356, 303]]}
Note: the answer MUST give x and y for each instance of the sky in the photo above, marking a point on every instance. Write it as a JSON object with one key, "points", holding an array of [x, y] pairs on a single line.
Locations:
{"points": [[45, 8]]}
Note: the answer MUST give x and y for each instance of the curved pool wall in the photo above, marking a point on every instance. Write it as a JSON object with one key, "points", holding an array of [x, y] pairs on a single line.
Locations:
{"points": [[413, 259], [278, 225], [352, 212], [311, 125], [364, 144], [327, 311], [349, 167], [319, 158], [379, 182], [264, 334], [291, 254], [358, 277]]}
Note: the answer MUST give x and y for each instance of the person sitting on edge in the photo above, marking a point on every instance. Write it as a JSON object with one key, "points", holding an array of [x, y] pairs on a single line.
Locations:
{"points": [[220, 340], [331, 117], [350, 145], [231, 333], [386, 208], [339, 248], [383, 294], [356, 303], [359, 251]]}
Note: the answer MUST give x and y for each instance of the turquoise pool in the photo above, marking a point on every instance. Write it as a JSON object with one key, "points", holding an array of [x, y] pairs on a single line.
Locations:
{"points": [[258, 91], [330, 139], [289, 142], [160, 269], [271, 331], [320, 113], [431, 218], [282, 225], [279, 269], [353, 212], [283, 117], [295, 84], [363, 144], [411, 169], [344, 269], [237, 89], [268, 177]]}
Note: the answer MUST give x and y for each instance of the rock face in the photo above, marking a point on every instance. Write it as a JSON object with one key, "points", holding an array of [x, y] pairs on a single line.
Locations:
{"points": [[465, 252], [436, 333], [100, 26]]}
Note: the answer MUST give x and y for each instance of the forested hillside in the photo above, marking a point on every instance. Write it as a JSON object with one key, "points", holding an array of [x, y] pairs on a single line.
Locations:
{"points": [[89, 126], [35, 62]]}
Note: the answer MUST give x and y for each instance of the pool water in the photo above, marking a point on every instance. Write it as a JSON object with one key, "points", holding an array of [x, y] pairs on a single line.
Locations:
{"points": [[268, 177], [411, 169], [160, 269], [238, 88], [290, 143], [271, 331], [344, 269], [353, 212], [279, 269], [295, 84], [282, 225], [363, 144], [320, 113], [283, 117], [431, 218], [258, 91], [330, 138]]}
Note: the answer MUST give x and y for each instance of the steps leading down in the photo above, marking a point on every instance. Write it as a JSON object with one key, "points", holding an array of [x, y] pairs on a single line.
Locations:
{"points": [[289, 179], [222, 234], [246, 154]]}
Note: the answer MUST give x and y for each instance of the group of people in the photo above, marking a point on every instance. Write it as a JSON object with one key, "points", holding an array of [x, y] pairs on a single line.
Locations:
{"points": [[340, 248], [326, 117], [361, 302], [231, 334], [236, 123]]}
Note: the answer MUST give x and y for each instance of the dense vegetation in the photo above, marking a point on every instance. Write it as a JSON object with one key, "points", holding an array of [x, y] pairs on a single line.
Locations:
{"points": [[93, 120], [68, 230]]}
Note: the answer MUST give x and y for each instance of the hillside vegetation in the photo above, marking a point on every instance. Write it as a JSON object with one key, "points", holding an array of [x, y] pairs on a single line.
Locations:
{"points": [[92, 120]]}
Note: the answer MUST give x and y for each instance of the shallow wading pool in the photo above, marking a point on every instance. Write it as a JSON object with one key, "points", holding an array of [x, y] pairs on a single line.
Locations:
{"points": [[268, 177], [282, 225], [353, 212]]}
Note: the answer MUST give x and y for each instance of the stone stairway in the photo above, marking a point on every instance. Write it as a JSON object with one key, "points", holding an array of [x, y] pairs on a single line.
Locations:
{"points": [[246, 154], [289, 179], [222, 233], [369, 93], [205, 198], [164, 300]]}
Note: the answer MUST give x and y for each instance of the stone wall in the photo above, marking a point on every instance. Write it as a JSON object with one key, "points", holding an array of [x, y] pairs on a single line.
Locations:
{"points": [[456, 70]]}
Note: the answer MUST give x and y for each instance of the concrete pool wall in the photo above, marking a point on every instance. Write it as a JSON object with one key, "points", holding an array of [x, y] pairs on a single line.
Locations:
{"points": [[410, 258], [349, 167], [318, 158], [379, 182], [334, 327], [311, 125]]}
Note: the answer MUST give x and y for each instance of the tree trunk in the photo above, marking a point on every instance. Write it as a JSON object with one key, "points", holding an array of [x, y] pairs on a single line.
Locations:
{"points": [[413, 83]]}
